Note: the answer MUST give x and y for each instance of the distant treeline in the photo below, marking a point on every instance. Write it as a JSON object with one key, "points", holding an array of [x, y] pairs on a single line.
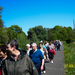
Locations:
{"points": [[35, 34]]}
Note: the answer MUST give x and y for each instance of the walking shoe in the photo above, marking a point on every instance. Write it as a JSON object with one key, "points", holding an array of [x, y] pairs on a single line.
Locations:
{"points": [[52, 62], [44, 71]]}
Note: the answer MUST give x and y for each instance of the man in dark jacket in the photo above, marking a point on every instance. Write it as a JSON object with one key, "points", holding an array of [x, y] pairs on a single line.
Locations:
{"points": [[18, 63]]}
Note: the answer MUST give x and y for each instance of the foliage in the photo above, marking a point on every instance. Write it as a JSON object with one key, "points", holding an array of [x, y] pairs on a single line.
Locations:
{"points": [[3, 32], [62, 33], [69, 58], [1, 9], [13, 31], [22, 39], [32, 36], [35, 34], [39, 32]]}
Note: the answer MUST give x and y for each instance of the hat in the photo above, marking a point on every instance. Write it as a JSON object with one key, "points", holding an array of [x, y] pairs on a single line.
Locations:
{"points": [[41, 41]]}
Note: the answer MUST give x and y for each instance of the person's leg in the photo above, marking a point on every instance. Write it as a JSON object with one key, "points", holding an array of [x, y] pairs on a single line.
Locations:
{"points": [[52, 56], [55, 47], [38, 66], [44, 71], [60, 47]]}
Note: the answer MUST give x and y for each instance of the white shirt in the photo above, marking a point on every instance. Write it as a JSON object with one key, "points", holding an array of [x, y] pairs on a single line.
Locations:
{"points": [[51, 46], [46, 44], [35, 50], [28, 51], [42, 51]]}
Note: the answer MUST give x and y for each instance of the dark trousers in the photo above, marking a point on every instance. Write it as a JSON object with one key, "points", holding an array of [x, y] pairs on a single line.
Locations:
{"points": [[51, 55], [38, 67]]}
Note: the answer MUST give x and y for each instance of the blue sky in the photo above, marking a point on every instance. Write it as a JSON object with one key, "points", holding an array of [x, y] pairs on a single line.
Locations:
{"points": [[31, 13]]}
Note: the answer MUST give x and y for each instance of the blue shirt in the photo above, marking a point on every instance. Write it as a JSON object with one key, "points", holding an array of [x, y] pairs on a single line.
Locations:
{"points": [[44, 47], [36, 56]]}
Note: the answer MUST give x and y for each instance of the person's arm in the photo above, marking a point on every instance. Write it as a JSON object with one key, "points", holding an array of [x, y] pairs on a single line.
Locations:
{"points": [[42, 58], [47, 54], [42, 64], [53, 46]]}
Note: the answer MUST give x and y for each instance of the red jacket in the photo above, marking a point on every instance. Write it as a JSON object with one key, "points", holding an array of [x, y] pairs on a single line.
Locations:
{"points": [[52, 51], [0, 71]]}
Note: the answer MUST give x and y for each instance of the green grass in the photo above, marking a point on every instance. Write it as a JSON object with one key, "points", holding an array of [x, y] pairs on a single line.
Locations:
{"points": [[69, 58]]}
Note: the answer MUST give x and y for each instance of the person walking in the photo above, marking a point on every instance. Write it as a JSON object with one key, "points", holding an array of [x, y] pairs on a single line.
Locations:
{"points": [[58, 45], [3, 56], [18, 63], [51, 51], [37, 58], [28, 48], [46, 44], [45, 53], [55, 44]]}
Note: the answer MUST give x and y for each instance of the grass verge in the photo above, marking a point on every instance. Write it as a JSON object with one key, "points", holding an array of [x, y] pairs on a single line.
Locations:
{"points": [[69, 58]]}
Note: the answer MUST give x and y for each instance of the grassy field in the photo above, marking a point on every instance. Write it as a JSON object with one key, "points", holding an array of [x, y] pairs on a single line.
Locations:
{"points": [[69, 58]]}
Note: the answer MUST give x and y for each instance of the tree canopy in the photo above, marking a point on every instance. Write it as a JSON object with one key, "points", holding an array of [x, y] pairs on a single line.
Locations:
{"points": [[39, 32], [61, 33], [3, 32], [35, 34]]}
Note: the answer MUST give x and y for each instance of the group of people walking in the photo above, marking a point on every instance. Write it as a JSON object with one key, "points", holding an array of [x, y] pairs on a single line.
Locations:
{"points": [[57, 44], [30, 62]]}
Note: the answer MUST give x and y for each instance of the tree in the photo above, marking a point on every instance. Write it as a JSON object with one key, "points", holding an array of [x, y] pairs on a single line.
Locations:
{"points": [[50, 32], [54, 36], [3, 32], [5, 37], [60, 33], [70, 32], [22, 39], [1, 9], [30, 32], [13, 31], [32, 36], [40, 32], [1, 25]]}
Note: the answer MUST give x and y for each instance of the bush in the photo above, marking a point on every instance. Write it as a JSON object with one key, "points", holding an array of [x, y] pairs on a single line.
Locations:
{"points": [[69, 41], [69, 58]]}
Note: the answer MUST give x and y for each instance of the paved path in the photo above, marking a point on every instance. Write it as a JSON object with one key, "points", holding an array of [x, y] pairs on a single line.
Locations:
{"points": [[57, 68]]}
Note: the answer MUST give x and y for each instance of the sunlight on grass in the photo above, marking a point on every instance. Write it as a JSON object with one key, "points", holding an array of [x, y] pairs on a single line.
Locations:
{"points": [[69, 59]]}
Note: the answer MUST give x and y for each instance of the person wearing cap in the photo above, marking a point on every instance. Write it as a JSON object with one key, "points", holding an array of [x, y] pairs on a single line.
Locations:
{"points": [[28, 48], [37, 58], [18, 63]]}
